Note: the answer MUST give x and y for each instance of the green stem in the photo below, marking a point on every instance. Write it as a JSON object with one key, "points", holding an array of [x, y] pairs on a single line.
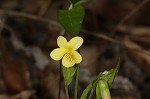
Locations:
{"points": [[91, 94], [67, 93], [60, 79], [92, 91], [76, 84]]}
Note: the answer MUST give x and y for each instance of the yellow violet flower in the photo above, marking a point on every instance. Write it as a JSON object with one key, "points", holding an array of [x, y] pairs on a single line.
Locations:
{"points": [[67, 51]]}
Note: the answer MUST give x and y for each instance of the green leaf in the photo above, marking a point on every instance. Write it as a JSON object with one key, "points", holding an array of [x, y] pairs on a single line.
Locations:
{"points": [[68, 74], [98, 92], [87, 90], [71, 19], [102, 84], [109, 76]]}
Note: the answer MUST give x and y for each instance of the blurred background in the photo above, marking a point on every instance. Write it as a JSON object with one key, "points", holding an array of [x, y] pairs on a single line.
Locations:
{"points": [[111, 29]]}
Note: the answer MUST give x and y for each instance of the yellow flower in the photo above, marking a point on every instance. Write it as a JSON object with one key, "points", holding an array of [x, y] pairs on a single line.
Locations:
{"points": [[67, 51]]}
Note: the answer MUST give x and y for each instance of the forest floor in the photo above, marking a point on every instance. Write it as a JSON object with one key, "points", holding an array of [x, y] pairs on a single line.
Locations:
{"points": [[111, 29]]}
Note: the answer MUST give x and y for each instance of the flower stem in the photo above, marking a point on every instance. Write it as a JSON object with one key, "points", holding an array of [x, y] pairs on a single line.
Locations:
{"points": [[67, 93], [60, 79], [76, 84]]}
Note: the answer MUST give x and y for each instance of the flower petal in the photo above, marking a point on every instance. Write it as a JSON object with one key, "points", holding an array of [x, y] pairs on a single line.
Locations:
{"points": [[62, 42], [75, 43], [77, 57], [67, 62], [58, 53]]}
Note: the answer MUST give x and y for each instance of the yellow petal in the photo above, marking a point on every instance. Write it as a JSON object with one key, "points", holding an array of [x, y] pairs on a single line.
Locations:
{"points": [[77, 57], [68, 61], [62, 42], [58, 53], [75, 43]]}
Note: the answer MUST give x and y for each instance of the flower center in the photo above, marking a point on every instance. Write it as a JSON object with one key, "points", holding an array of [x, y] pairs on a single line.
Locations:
{"points": [[69, 56]]}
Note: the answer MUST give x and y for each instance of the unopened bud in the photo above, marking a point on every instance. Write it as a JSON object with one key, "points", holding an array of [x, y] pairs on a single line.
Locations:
{"points": [[104, 89]]}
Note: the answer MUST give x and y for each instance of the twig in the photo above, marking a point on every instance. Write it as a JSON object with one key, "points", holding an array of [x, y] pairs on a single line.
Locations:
{"points": [[129, 15], [48, 21], [29, 16], [139, 39], [116, 42], [45, 7], [2, 24]]}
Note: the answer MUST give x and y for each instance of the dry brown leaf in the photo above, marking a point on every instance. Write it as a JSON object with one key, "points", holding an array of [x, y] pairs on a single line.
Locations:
{"points": [[135, 30], [22, 95], [138, 56], [15, 74]]}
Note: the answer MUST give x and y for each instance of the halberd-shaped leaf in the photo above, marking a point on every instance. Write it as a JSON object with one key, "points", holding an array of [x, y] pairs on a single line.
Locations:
{"points": [[68, 74], [71, 19]]}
